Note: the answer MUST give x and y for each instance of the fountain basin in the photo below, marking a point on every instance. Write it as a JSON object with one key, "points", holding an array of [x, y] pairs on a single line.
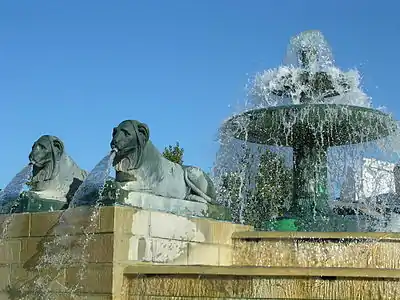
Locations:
{"points": [[169, 282], [310, 129], [369, 250], [325, 125]]}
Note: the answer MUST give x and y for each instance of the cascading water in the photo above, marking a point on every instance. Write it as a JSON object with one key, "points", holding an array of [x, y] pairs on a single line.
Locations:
{"points": [[9, 195], [93, 183], [314, 116], [72, 235], [12, 191]]}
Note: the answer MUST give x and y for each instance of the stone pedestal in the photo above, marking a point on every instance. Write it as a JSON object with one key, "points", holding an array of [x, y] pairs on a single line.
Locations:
{"points": [[90, 261]]}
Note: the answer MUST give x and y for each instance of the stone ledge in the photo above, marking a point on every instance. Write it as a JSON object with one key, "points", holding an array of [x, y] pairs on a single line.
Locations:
{"points": [[179, 207], [350, 236], [152, 270], [188, 287]]}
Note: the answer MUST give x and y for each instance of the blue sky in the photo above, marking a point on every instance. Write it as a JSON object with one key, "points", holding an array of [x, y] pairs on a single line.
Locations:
{"points": [[76, 69]]}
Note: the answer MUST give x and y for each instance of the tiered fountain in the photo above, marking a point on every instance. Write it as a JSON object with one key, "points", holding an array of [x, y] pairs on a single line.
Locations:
{"points": [[309, 106]]}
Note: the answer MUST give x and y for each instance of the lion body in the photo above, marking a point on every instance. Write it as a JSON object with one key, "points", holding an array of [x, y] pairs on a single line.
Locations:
{"points": [[152, 173]]}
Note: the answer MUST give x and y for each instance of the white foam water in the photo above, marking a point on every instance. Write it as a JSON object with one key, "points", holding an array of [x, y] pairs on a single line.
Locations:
{"points": [[12, 191], [262, 95], [8, 197]]}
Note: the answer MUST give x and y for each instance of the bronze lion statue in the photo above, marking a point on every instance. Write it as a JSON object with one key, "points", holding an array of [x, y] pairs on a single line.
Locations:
{"points": [[55, 175], [140, 167]]}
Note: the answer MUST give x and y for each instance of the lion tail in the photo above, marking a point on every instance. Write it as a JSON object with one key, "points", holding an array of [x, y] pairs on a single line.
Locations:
{"points": [[195, 189]]}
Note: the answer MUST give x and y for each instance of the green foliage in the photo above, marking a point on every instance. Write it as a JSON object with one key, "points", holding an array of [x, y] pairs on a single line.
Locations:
{"points": [[265, 195], [174, 153]]}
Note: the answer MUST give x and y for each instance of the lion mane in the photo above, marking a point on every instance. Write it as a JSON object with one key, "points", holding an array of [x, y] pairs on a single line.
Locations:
{"points": [[140, 167], [54, 172]]}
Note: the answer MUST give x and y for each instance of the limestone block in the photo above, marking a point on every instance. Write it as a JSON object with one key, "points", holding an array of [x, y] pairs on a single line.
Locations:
{"points": [[79, 220], [203, 254], [4, 296], [29, 247], [97, 278], [23, 280], [10, 251], [16, 225], [70, 221], [148, 249], [139, 249], [4, 273], [218, 232], [101, 248], [140, 223], [43, 222], [169, 226], [225, 255], [107, 219], [168, 251]]}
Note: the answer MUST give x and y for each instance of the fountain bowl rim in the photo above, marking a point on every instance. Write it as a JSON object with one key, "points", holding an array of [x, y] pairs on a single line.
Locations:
{"points": [[321, 107]]}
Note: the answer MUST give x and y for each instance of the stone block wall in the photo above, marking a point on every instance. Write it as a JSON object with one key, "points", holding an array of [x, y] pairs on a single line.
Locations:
{"points": [[121, 236], [163, 238]]}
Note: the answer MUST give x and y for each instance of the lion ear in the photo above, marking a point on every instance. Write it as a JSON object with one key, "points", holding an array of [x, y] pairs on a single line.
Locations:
{"points": [[58, 147], [144, 130]]}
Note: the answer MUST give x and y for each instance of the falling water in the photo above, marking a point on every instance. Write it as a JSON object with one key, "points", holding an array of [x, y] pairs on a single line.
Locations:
{"points": [[10, 195], [262, 93], [72, 235], [307, 99], [93, 183], [12, 191]]}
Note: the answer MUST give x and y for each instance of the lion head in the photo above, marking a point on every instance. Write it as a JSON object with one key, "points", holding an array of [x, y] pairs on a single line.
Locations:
{"points": [[129, 139], [45, 155]]}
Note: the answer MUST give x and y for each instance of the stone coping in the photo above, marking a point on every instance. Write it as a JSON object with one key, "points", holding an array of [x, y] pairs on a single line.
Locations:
{"points": [[181, 207], [272, 235], [163, 270]]}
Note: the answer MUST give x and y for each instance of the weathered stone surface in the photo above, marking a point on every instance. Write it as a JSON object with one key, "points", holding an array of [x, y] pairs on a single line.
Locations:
{"points": [[55, 176], [140, 167], [118, 237]]}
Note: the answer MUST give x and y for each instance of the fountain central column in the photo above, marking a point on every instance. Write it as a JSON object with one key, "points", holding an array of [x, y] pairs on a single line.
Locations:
{"points": [[310, 177]]}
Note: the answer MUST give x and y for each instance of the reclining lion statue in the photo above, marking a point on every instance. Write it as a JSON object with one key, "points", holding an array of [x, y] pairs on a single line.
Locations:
{"points": [[140, 167], [55, 175]]}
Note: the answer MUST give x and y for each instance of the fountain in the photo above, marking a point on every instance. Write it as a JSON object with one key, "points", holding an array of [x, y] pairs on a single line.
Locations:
{"points": [[309, 106], [157, 231]]}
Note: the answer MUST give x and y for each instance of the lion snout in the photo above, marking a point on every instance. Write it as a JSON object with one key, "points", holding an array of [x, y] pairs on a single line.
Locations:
{"points": [[113, 145], [32, 158]]}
